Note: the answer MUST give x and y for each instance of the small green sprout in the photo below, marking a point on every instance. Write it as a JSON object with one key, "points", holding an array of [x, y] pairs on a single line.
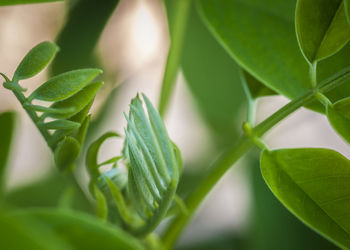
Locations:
{"points": [[153, 168], [64, 123]]}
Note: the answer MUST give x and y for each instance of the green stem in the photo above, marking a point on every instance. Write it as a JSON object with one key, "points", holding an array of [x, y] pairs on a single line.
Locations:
{"points": [[323, 99], [243, 145], [181, 13], [251, 112], [14, 86], [313, 74], [251, 100], [195, 198]]}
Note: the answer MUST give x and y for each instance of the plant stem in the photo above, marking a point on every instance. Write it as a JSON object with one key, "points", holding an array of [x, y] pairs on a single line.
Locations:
{"points": [[181, 13], [286, 110], [243, 145], [313, 74], [194, 199], [22, 99]]}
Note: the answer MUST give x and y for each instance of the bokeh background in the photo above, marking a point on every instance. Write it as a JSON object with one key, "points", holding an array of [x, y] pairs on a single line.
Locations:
{"points": [[130, 43]]}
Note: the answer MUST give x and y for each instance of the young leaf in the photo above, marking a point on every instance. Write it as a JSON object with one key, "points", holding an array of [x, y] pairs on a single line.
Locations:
{"points": [[35, 61], [7, 124], [339, 117], [64, 85], [153, 165], [66, 152], [313, 184], [83, 231], [79, 118], [322, 28], [48, 110], [81, 133], [76, 102], [102, 209], [117, 176], [60, 124]]}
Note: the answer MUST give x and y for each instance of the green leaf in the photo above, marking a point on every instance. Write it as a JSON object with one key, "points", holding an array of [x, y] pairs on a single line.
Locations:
{"points": [[79, 118], [260, 35], [75, 103], [64, 85], [81, 133], [254, 88], [313, 183], [339, 117], [347, 10], [35, 61], [60, 124], [66, 152], [83, 231], [115, 175], [48, 110], [7, 125], [16, 2], [322, 28], [343, 107], [81, 33], [111, 160], [102, 208], [269, 218], [26, 233], [178, 156]]}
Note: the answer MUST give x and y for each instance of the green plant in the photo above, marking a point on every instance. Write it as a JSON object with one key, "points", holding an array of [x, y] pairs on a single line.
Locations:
{"points": [[302, 55]]}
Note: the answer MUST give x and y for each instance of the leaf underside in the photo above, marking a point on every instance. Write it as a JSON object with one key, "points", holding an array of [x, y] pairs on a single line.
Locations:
{"points": [[313, 184], [321, 27]]}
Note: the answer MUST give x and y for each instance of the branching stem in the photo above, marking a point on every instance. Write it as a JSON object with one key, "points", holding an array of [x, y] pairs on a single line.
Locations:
{"points": [[243, 145]]}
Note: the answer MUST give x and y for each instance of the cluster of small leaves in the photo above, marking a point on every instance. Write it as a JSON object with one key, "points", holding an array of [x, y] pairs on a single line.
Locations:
{"points": [[64, 122], [144, 194]]}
